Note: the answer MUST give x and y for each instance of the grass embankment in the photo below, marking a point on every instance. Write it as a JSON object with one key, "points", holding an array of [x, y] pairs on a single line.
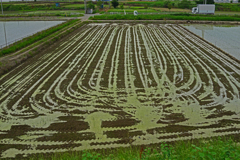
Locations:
{"points": [[168, 17], [40, 6], [36, 37], [216, 148], [37, 14]]}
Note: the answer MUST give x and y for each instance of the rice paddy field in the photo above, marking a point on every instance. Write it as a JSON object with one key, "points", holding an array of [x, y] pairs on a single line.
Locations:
{"points": [[111, 85]]}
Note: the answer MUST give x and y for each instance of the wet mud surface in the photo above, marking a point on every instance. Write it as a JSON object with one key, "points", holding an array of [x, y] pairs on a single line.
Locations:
{"points": [[115, 85]]}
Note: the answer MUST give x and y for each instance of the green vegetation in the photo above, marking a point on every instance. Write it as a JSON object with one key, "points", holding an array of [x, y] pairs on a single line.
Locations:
{"points": [[150, 4], [121, 6], [90, 5], [43, 6], [227, 7], [115, 3], [36, 37], [169, 6], [145, 6], [162, 3], [175, 4], [43, 14], [185, 16], [184, 4], [99, 4], [137, 7], [202, 1], [131, 10], [216, 148], [75, 6]]}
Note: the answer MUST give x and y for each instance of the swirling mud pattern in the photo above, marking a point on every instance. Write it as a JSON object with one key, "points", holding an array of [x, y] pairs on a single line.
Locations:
{"points": [[116, 85]]}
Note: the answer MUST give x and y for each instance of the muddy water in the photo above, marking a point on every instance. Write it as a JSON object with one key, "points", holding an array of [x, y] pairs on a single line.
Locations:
{"points": [[225, 37], [18, 29], [117, 85]]}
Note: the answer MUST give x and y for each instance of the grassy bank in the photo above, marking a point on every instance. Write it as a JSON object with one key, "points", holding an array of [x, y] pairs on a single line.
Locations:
{"points": [[40, 6], [168, 17], [36, 37], [215, 148], [42, 15]]}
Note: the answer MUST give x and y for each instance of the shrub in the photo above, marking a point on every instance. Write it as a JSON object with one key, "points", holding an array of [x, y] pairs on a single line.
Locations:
{"points": [[166, 3], [99, 3], [184, 4], [145, 6], [122, 6], [90, 5], [169, 6], [115, 3]]}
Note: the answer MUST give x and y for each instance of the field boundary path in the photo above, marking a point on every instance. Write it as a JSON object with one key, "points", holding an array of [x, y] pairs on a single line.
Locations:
{"points": [[86, 16]]}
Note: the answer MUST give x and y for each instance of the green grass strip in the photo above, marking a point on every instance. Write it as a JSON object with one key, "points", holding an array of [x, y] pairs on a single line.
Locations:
{"points": [[167, 17], [36, 37], [42, 15], [212, 149]]}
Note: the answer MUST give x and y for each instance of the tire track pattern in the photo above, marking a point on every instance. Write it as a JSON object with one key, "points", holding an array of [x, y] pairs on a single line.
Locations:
{"points": [[112, 85]]}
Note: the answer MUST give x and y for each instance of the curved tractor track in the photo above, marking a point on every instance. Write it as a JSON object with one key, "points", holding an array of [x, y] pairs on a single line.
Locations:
{"points": [[111, 85]]}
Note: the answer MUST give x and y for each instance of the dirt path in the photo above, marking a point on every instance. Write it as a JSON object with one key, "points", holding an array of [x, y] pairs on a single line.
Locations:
{"points": [[86, 16]]}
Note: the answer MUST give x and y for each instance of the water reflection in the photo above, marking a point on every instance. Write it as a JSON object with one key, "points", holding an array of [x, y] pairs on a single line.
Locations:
{"points": [[12, 31], [225, 37], [204, 28]]}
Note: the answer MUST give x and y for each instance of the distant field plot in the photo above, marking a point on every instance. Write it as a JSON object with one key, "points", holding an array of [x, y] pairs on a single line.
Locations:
{"points": [[131, 10], [56, 12], [115, 85], [173, 10], [46, 12], [74, 6]]}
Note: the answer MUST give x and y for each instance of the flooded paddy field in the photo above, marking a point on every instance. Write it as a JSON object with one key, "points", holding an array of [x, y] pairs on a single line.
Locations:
{"points": [[13, 31], [225, 37], [116, 85]]}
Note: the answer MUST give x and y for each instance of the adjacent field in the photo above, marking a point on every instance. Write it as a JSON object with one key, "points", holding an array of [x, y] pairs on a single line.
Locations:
{"points": [[112, 85]]}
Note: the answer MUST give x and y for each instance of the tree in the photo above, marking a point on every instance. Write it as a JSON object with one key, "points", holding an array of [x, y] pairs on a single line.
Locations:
{"points": [[145, 6], [99, 4], [169, 6], [203, 2], [122, 7], [210, 2], [90, 5], [166, 3], [184, 4], [115, 3]]}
